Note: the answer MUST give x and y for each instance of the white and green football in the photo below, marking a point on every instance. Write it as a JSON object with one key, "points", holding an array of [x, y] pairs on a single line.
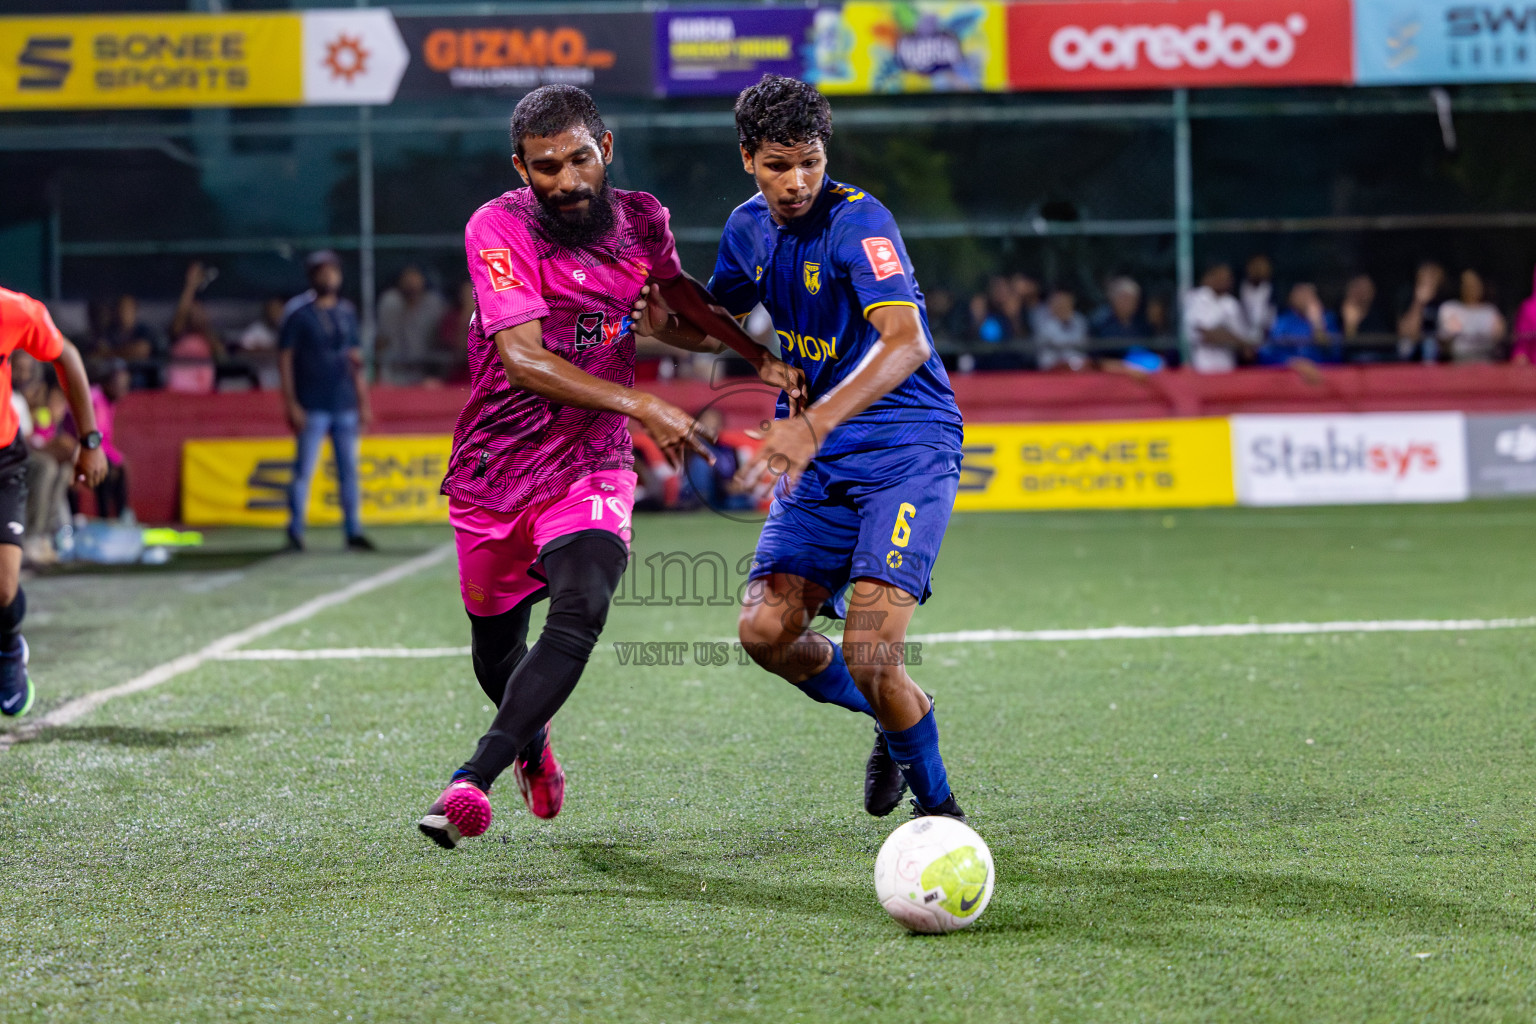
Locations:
{"points": [[934, 875]]}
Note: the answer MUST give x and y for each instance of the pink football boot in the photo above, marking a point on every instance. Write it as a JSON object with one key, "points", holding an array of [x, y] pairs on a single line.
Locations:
{"points": [[540, 778], [462, 812]]}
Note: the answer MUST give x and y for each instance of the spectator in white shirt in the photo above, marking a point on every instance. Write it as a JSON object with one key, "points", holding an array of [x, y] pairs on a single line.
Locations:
{"points": [[1471, 327], [1257, 296], [1218, 329]]}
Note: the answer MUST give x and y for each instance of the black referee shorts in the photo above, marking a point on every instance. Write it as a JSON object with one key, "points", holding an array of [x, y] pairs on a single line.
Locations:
{"points": [[13, 491]]}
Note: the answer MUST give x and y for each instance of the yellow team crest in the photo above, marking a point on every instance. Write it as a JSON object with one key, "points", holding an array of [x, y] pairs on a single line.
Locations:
{"points": [[813, 277]]}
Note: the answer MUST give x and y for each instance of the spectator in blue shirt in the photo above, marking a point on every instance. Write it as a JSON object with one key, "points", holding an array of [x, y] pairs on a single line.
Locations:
{"points": [[1304, 331], [325, 392]]}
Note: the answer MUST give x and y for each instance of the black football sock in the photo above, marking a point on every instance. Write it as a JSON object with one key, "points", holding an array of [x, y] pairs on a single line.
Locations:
{"points": [[583, 571], [10, 621], [497, 643]]}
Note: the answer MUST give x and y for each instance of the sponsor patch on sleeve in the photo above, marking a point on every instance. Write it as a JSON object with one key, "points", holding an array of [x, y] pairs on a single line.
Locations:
{"points": [[498, 263], [882, 258]]}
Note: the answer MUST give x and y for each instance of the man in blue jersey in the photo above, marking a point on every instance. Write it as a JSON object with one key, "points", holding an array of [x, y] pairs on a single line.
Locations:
{"points": [[866, 474]]}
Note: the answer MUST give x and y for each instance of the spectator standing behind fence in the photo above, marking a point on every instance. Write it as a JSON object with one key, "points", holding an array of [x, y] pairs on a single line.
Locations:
{"points": [[1525, 330], [1120, 318], [1359, 317], [1257, 296], [409, 314], [195, 344], [1418, 327], [1061, 333], [1470, 326], [453, 329], [1218, 328], [325, 393], [124, 336], [1305, 332]]}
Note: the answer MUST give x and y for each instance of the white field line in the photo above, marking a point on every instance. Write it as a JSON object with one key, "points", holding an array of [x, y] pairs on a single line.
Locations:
{"points": [[983, 636], [81, 706], [342, 653]]}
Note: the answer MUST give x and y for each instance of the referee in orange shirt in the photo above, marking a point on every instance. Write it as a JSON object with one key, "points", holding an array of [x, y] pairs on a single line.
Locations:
{"points": [[26, 325]]}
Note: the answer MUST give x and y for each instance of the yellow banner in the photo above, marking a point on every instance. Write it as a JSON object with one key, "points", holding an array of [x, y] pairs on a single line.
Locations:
{"points": [[152, 60], [921, 46], [245, 482], [1122, 464]]}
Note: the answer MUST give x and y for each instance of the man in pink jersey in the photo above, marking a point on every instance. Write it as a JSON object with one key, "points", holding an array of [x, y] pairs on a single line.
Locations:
{"points": [[540, 483]]}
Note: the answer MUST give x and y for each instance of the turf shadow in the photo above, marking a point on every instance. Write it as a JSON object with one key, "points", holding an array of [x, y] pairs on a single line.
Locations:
{"points": [[129, 736], [621, 872], [1155, 906]]}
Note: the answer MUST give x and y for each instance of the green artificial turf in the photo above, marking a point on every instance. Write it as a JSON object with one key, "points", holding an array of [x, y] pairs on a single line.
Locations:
{"points": [[1292, 828]]}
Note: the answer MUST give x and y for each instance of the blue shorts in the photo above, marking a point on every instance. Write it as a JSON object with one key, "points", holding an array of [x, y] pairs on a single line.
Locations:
{"points": [[877, 514]]}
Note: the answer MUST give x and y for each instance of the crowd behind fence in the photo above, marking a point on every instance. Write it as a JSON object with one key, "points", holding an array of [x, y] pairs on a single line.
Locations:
{"points": [[200, 341]]}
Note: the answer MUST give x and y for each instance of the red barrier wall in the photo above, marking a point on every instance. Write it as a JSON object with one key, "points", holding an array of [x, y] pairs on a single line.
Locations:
{"points": [[152, 425]]}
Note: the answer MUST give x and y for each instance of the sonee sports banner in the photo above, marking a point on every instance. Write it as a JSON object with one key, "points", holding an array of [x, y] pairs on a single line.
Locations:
{"points": [[345, 56]]}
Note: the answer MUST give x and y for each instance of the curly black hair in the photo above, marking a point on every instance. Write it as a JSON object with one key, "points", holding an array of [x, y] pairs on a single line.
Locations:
{"points": [[782, 110], [550, 110]]}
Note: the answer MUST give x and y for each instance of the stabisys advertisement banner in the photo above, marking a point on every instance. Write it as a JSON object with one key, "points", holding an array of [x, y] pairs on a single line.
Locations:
{"points": [[1409, 42], [924, 46], [719, 52], [606, 54], [1159, 45], [245, 481], [1342, 459]]}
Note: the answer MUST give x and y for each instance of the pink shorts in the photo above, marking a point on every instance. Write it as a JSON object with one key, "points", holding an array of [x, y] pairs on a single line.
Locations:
{"points": [[499, 552]]}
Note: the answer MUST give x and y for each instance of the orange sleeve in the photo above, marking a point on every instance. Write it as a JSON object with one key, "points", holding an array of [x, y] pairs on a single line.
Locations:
{"points": [[41, 339]]}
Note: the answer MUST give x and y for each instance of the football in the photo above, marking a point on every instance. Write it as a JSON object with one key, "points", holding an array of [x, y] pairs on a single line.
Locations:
{"points": [[934, 875]]}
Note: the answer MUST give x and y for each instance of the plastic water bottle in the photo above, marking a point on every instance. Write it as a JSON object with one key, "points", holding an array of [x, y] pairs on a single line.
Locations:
{"points": [[108, 543]]}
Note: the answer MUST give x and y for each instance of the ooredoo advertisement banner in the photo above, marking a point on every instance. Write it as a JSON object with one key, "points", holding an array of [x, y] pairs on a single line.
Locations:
{"points": [[720, 52], [1345, 459], [453, 56], [1151, 45], [1405, 42]]}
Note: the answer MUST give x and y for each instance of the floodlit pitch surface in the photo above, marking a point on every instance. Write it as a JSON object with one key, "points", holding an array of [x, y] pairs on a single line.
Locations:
{"points": [[1331, 827]]}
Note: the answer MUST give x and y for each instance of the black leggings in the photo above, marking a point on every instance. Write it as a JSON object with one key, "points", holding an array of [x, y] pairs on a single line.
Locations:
{"points": [[583, 570]]}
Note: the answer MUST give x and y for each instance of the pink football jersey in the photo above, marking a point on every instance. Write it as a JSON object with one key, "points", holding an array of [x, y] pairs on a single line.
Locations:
{"points": [[513, 448]]}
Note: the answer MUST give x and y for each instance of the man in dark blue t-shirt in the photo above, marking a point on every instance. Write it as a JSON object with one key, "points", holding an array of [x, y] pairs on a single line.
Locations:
{"points": [[867, 475], [325, 392]]}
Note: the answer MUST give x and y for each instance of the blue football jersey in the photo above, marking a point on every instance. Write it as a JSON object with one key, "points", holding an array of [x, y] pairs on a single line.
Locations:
{"points": [[819, 277]]}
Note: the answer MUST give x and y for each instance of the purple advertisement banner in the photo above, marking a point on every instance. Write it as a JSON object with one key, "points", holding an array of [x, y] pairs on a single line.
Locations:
{"points": [[721, 52]]}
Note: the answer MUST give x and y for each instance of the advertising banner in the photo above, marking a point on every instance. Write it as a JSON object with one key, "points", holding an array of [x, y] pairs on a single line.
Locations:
{"points": [[1501, 455], [1125, 464], [1347, 459], [910, 47], [721, 52], [151, 60], [244, 481], [1405, 42], [1159, 45], [352, 56], [347, 56], [514, 53]]}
